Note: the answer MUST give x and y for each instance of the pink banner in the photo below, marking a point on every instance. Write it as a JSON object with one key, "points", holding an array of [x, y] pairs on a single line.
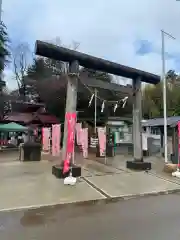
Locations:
{"points": [[102, 141], [46, 139], [36, 132], [56, 137], [84, 141], [71, 123], [78, 133], [179, 143]]}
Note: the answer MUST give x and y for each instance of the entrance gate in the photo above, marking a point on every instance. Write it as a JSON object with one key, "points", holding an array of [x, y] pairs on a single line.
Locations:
{"points": [[76, 59]]}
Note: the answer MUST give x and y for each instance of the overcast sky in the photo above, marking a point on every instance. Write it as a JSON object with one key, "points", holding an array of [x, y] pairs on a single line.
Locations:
{"points": [[126, 31]]}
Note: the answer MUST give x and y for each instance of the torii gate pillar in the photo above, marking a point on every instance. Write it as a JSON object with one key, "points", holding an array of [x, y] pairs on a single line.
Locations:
{"points": [[137, 163]]}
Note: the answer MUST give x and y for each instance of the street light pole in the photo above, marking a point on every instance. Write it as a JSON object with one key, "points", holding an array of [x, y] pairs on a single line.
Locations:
{"points": [[163, 33]]}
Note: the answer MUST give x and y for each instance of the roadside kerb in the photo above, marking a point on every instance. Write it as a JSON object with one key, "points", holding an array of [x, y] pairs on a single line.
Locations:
{"points": [[164, 178], [92, 202]]}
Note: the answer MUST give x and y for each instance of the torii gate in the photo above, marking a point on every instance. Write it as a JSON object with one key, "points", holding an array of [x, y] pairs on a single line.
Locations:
{"points": [[76, 59]]}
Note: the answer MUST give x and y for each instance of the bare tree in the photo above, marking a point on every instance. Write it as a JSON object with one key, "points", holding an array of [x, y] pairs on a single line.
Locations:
{"points": [[21, 55], [46, 75], [63, 67]]}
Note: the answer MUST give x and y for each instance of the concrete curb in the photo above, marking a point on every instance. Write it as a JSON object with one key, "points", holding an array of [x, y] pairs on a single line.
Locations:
{"points": [[105, 201], [164, 178], [147, 194]]}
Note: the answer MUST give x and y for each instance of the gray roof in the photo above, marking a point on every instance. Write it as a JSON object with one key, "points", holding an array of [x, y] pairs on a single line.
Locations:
{"points": [[157, 122]]}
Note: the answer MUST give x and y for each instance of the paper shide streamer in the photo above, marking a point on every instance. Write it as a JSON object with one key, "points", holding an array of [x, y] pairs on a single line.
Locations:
{"points": [[102, 107], [90, 101], [124, 101]]}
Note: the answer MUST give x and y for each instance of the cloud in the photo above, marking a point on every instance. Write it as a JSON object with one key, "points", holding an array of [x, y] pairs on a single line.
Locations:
{"points": [[143, 47], [124, 31]]}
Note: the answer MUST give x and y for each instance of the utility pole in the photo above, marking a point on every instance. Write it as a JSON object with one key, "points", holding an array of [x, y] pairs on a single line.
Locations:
{"points": [[0, 9], [163, 33], [0, 23], [0, 43]]}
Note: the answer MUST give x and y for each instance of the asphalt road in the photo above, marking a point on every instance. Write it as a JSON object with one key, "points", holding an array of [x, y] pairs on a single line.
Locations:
{"points": [[138, 219]]}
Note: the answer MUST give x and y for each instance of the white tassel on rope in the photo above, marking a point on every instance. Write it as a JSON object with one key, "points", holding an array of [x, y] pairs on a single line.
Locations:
{"points": [[102, 107], [115, 107], [90, 101]]}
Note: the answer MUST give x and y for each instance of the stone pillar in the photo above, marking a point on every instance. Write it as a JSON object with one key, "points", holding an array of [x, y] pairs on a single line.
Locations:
{"points": [[137, 163], [71, 102], [137, 119], [71, 96]]}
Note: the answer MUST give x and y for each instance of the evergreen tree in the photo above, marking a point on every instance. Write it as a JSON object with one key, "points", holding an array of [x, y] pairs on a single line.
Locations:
{"points": [[4, 51]]}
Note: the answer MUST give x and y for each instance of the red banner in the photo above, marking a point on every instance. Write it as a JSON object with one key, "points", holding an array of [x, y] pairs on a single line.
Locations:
{"points": [[71, 123]]}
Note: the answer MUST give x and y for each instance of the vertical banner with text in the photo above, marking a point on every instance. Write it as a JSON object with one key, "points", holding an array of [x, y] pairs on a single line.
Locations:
{"points": [[46, 132], [84, 141], [56, 137], [71, 123], [102, 141], [78, 133]]}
